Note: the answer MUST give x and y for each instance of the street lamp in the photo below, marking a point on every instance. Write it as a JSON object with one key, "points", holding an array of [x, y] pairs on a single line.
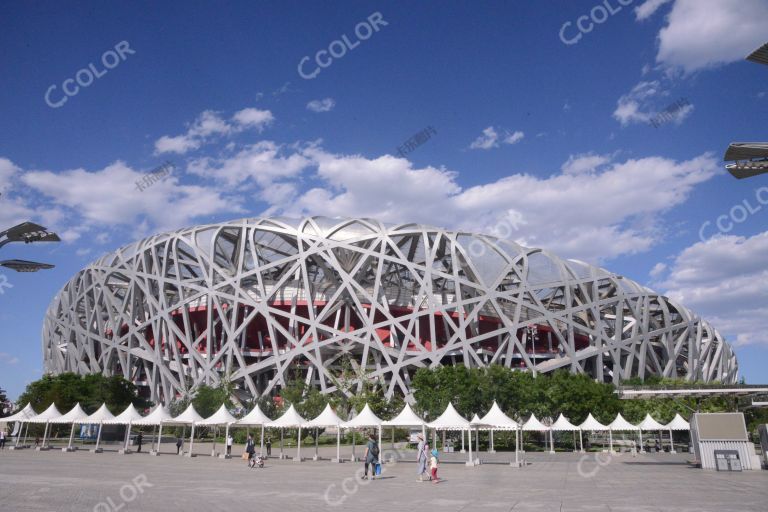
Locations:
{"points": [[27, 232]]}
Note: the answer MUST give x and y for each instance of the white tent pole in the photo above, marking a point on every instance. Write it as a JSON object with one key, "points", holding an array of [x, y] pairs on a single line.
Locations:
{"points": [[641, 441], [462, 442], [353, 445], [71, 435], [45, 434], [281, 443], [25, 435], [469, 436], [517, 432], [551, 442], [671, 442], [98, 437], [393, 438], [159, 436], [477, 440], [298, 447], [215, 431], [581, 442], [18, 435], [127, 435], [316, 435], [226, 440], [262, 439], [192, 440], [610, 440], [490, 446], [338, 443]]}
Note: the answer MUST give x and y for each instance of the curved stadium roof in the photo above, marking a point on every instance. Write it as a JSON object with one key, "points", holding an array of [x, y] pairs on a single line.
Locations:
{"points": [[265, 300]]}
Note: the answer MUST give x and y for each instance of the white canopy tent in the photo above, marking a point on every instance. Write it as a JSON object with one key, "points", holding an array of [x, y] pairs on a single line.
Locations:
{"points": [[155, 418], [99, 417], [677, 423], [496, 419], [127, 417], [76, 415], [620, 425], [289, 419], [477, 425], [327, 419], [221, 417], [51, 413], [21, 417], [189, 417], [534, 425], [255, 418], [452, 420], [365, 419], [562, 424], [591, 425], [648, 423], [407, 418]]}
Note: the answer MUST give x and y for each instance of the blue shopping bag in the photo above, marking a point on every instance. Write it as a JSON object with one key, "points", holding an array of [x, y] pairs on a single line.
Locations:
{"points": [[378, 469]]}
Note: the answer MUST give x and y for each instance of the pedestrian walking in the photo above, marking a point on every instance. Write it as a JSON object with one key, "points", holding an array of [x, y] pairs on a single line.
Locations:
{"points": [[250, 449], [230, 440], [371, 456], [2, 439], [179, 444], [139, 440], [268, 444], [433, 462], [422, 457]]}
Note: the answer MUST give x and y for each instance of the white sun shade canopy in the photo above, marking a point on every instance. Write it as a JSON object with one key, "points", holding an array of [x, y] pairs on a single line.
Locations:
{"points": [[327, 418], [449, 420], [26, 414], [75, 415], [678, 423], [621, 424], [649, 423], [50, 414], [366, 418], [562, 423], [498, 420], [406, 418], [220, 417], [188, 417], [592, 424], [102, 415], [533, 424], [475, 422], [159, 415], [289, 419], [255, 417], [129, 415]]}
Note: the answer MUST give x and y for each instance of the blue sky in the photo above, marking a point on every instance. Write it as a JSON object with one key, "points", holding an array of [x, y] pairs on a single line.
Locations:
{"points": [[551, 135]]}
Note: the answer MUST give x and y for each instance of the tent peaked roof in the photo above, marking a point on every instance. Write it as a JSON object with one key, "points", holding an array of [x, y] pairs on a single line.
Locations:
{"points": [[449, 420], [255, 417], [50, 414], [289, 419], [592, 424], [160, 415], [533, 424], [188, 417], [475, 422], [497, 419], [26, 414], [678, 423], [621, 424], [129, 415], [649, 423], [75, 415], [366, 418], [562, 423], [220, 417], [406, 418], [102, 415], [327, 418]]}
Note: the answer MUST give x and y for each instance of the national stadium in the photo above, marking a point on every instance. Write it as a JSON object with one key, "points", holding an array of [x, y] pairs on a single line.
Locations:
{"points": [[263, 301]]}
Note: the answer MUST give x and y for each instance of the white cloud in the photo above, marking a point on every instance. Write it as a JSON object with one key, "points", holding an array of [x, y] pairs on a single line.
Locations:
{"points": [[648, 8], [624, 200], [490, 139], [210, 124], [726, 281], [657, 270], [263, 163], [587, 162], [702, 34], [648, 102], [7, 171], [324, 105], [7, 358]]}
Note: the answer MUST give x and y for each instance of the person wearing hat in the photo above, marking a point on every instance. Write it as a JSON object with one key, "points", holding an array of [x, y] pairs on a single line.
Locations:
{"points": [[421, 457], [433, 462]]}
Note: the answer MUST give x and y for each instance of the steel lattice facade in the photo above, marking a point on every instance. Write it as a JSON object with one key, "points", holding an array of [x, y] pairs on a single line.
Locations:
{"points": [[262, 301]]}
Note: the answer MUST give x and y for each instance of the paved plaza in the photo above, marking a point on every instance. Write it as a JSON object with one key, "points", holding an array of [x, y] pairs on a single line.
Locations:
{"points": [[82, 481]]}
